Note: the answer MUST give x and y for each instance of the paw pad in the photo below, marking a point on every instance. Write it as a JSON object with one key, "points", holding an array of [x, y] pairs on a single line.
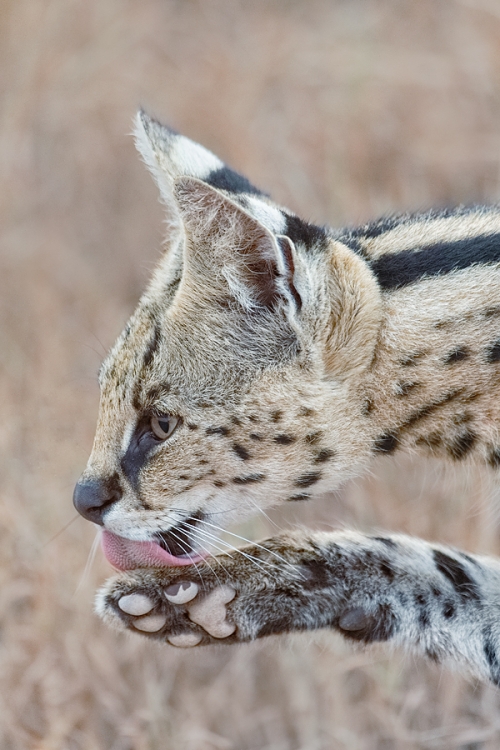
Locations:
{"points": [[150, 623], [181, 593], [210, 612], [184, 640], [136, 604]]}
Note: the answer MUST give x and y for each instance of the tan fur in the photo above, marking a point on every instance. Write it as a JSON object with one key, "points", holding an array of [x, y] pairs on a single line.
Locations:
{"points": [[279, 401]]}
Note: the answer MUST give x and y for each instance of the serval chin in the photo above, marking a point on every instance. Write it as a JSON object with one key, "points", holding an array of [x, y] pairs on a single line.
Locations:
{"points": [[268, 361]]}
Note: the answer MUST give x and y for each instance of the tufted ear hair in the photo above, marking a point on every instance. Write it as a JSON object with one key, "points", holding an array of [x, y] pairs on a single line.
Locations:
{"points": [[228, 252]]}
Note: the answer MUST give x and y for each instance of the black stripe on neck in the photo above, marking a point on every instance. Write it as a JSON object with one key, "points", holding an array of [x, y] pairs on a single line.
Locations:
{"points": [[409, 266]]}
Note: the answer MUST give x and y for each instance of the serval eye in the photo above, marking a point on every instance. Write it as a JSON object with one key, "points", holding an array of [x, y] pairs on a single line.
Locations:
{"points": [[163, 427]]}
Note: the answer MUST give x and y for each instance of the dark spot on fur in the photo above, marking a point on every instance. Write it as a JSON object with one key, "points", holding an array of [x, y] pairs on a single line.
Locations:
{"points": [[463, 418], [157, 392], [152, 347], [276, 415], [492, 659], [136, 397], [277, 624], [449, 610], [241, 452], [435, 591], [397, 270], [367, 627], [387, 570], [385, 540], [411, 359], [313, 437], [325, 454], [305, 411], [306, 480], [203, 461], [423, 615], [367, 407], [301, 496], [253, 418], [314, 574], [183, 476], [192, 426], [428, 409], [455, 572], [491, 312], [432, 655], [403, 389], [386, 443], [494, 458], [462, 445], [249, 479], [493, 352], [284, 439], [217, 431], [457, 355], [218, 483], [433, 440], [255, 436], [472, 397], [236, 421]]}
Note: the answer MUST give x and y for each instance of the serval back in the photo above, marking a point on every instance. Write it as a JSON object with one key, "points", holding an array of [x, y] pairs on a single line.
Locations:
{"points": [[268, 361]]}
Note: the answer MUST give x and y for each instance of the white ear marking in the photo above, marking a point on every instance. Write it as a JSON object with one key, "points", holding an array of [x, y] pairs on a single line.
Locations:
{"points": [[144, 145], [172, 154], [270, 216]]}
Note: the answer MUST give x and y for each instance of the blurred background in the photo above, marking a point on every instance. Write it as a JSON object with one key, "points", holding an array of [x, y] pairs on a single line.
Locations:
{"points": [[343, 110]]}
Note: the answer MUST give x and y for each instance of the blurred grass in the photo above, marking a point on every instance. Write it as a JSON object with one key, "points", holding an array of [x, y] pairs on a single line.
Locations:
{"points": [[343, 110]]}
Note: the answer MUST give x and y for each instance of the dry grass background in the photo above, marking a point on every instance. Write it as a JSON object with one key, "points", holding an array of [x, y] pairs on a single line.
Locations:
{"points": [[343, 110]]}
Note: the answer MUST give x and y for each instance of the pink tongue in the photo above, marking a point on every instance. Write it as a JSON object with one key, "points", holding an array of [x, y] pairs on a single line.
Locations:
{"points": [[125, 554]]}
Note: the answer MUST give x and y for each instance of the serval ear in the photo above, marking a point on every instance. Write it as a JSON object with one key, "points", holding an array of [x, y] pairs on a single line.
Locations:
{"points": [[169, 155], [228, 252]]}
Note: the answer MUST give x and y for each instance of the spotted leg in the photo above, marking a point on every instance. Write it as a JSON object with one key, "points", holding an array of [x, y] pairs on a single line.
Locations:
{"points": [[427, 598]]}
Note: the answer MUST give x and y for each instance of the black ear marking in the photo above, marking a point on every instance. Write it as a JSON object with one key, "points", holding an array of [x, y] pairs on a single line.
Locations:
{"points": [[227, 179]]}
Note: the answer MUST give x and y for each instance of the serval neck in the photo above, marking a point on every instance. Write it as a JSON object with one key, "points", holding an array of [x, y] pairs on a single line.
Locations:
{"points": [[434, 380]]}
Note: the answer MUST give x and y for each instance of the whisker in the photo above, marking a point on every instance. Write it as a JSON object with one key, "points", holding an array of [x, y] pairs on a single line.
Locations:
{"points": [[61, 531], [259, 563], [181, 544], [88, 564], [243, 539]]}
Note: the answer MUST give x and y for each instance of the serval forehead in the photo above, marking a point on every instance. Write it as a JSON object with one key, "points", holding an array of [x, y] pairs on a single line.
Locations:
{"points": [[184, 360]]}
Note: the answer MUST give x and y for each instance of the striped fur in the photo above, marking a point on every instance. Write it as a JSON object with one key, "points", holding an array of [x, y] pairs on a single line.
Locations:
{"points": [[292, 355]]}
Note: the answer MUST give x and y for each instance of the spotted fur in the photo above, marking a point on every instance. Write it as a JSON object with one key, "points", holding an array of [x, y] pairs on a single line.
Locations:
{"points": [[291, 355]]}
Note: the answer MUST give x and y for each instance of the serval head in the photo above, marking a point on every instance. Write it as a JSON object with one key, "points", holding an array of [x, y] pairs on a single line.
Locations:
{"points": [[235, 384]]}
